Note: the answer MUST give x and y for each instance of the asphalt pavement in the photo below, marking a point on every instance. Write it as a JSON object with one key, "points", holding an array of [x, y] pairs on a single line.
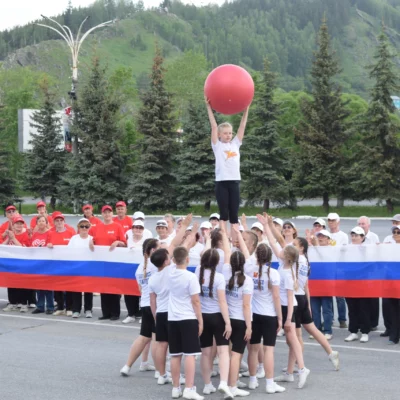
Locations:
{"points": [[47, 357]]}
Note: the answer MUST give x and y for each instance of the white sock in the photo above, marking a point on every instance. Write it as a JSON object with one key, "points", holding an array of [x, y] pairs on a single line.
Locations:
{"points": [[253, 379], [210, 385], [223, 383], [261, 365], [270, 382], [144, 363], [301, 370]]}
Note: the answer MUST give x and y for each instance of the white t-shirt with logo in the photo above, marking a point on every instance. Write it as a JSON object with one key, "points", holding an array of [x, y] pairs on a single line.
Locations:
{"points": [[302, 275], [144, 282], [227, 160], [371, 238], [131, 244], [234, 297], [210, 305], [339, 238], [78, 243], [182, 285], [158, 284], [287, 283], [263, 303]]}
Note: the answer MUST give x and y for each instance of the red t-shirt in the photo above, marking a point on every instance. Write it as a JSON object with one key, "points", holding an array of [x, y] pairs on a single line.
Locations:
{"points": [[60, 238], [3, 228], [106, 235], [40, 239], [94, 221], [34, 220], [69, 228], [23, 238], [126, 223]]}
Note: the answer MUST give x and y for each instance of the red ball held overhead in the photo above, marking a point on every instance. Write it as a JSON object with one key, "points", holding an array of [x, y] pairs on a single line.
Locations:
{"points": [[229, 88]]}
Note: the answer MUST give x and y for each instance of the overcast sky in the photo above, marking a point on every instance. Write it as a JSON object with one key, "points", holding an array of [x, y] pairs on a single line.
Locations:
{"points": [[20, 12]]}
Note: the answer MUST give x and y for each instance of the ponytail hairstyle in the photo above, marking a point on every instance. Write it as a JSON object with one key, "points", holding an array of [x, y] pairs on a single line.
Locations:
{"points": [[264, 256], [304, 244], [291, 257], [216, 238], [237, 265], [209, 260], [148, 246]]}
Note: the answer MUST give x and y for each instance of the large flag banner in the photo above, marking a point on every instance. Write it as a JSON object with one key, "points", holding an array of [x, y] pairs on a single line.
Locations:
{"points": [[348, 271]]}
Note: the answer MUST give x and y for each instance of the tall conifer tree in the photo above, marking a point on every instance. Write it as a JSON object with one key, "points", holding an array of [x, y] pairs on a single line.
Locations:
{"points": [[7, 182]]}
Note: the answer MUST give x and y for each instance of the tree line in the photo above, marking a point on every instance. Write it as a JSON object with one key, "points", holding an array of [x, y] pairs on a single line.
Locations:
{"points": [[297, 145]]}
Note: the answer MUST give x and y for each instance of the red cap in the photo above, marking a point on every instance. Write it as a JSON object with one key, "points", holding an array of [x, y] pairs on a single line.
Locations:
{"points": [[10, 208], [106, 207], [87, 207], [58, 214], [120, 204], [18, 218], [40, 204]]}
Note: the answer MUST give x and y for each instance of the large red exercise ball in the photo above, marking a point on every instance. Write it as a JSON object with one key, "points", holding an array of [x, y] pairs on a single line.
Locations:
{"points": [[229, 88]]}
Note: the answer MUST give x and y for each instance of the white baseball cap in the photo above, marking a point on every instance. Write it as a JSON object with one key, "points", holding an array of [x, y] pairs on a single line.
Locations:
{"points": [[320, 221], [290, 223], [358, 230], [205, 225], [214, 215], [189, 228], [324, 232], [258, 225], [241, 229], [396, 218], [278, 221], [83, 220], [138, 214], [162, 222], [138, 223], [334, 216]]}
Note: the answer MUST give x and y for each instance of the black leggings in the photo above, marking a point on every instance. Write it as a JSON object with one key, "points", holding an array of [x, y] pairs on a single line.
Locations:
{"points": [[359, 314], [228, 199]]}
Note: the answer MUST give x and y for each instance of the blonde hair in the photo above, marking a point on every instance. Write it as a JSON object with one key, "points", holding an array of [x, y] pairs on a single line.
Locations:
{"points": [[224, 125], [292, 256]]}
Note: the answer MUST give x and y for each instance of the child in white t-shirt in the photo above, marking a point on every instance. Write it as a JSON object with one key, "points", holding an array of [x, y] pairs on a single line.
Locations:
{"points": [[227, 165]]}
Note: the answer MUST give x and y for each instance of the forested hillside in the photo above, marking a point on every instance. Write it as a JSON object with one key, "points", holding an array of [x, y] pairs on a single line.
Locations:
{"points": [[240, 32]]}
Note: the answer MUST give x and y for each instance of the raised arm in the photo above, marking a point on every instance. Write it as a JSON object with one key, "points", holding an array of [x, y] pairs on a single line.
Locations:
{"points": [[226, 247], [180, 234], [277, 251], [242, 245], [242, 126], [244, 221], [277, 235], [213, 122]]}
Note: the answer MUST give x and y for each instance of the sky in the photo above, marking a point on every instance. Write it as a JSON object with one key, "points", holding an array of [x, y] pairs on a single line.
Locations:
{"points": [[20, 12]]}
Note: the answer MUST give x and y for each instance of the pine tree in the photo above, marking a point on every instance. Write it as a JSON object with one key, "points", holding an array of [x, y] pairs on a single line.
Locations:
{"points": [[7, 182], [95, 174], [153, 184], [195, 160], [379, 154], [45, 164], [322, 135], [264, 161]]}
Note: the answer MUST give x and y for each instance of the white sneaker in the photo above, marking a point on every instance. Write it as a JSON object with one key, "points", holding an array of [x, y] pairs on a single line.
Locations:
{"points": [[146, 367], [224, 389], [214, 373], [216, 361], [260, 372], [208, 389], [76, 315], [274, 388], [140, 320], [125, 370], [245, 374], [59, 312], [334, 359], [253, 385], [240, 385], [24, 308], [176, 393], [281, 333], [32, 305], [243, 366], [311, 337], [129, 320], [163, 380], [351, 338], [156, 375], [192, 394], [284, 378], [88, 314], [69, 313], [303, 378], [239, 392], [19, 305], [295, 370], [11, 307], [364, 337], [328, 336], [182, 379]]}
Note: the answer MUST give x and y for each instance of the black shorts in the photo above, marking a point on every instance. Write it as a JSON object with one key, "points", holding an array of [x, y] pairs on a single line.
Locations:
{"points": [[162, 327], [303, 315], [266, 327], [183, 337], [237, 336], [213, 327], [284, 314], [148, 326]]}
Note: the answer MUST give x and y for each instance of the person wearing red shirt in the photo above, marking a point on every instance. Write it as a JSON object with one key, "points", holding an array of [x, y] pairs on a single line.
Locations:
{"points": [[67, 227], [61, 236], [18, 236], [11, 212], [111, 234], [124, 220], [41, 209], [88, 214]]}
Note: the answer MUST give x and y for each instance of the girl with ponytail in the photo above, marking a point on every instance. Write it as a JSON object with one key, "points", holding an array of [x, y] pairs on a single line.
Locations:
{"points": [[267, 317], [216, 321], [303, 313]]}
